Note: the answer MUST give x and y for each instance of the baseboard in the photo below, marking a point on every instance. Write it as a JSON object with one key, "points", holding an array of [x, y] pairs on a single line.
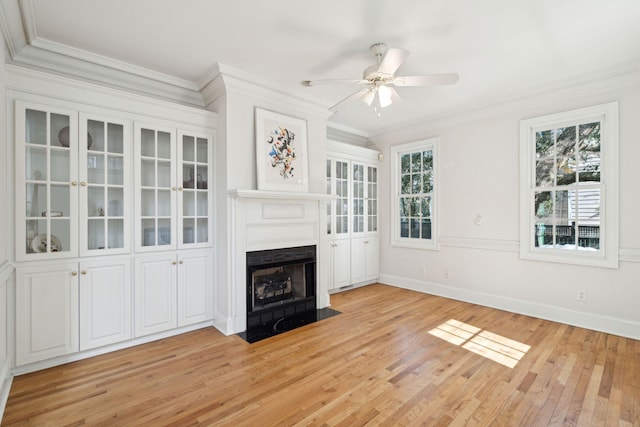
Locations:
{"points": [[5, 387], [60, 360], [607, 324]]}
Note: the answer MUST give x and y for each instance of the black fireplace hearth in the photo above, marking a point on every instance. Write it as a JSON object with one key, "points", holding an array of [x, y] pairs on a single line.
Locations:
{"points": [[281, 290]]}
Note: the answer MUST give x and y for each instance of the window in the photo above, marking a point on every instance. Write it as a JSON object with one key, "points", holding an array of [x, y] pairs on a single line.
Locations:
{"points": [[415, 175], [569, 187]]}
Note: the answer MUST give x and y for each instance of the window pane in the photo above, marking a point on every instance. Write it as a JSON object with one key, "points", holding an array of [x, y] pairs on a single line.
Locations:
{"points": [[404, 207], [544, 145], [405, 163], [415, 228], [543, 228], [426, 229], [416, 164], [416, 184], [427, 182], [415, 207], [566, 155], [589, 154], [544, 173], [427, 161], [426, 207], [404, 227], [406, 184]]}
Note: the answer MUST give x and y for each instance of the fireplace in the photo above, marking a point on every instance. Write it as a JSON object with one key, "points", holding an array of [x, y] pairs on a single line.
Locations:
{"points": [[281, 283]]}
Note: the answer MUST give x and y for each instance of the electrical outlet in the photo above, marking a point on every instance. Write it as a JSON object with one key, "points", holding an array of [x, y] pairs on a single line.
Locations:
{"points": [[581, 296], [423, 269], [446, 274]]}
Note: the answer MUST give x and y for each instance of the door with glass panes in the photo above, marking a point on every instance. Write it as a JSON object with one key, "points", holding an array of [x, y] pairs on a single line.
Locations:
{"points": [[46, 182]]}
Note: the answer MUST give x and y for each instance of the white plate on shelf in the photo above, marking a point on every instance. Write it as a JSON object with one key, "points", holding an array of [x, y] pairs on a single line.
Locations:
{"points": [[39, 243]]}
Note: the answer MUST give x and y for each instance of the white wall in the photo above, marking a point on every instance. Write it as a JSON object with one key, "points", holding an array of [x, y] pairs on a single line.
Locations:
{"points": [[480, 176]]}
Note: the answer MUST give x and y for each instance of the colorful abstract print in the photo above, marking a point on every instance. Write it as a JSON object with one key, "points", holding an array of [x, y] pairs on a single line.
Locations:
{"points": [[282, 151]]}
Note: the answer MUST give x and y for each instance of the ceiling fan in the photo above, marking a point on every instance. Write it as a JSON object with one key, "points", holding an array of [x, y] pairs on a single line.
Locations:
{"points": [[380, 79]]}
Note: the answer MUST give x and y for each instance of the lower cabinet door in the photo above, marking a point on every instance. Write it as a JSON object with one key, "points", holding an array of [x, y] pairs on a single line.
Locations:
{"points": [[155, 294], [195, 287], [46, 312], [105, 303], [340, 263]]}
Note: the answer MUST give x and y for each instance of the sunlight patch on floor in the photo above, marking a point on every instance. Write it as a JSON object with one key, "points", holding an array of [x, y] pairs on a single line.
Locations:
{"points": [[484, 343]]}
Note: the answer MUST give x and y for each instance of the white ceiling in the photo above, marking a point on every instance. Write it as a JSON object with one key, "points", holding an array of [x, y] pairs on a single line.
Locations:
{"points": [[502, 49]]}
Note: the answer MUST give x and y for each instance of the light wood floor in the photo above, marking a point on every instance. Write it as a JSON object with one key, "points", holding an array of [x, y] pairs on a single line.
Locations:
{"points": [[383, 361]]}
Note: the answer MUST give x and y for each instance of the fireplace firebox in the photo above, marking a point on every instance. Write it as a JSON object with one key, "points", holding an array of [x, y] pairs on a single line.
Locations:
{"points": [[280, 283]]}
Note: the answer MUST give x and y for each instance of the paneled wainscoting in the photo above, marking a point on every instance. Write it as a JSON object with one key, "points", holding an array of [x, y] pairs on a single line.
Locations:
{"points": [[393, 357]]}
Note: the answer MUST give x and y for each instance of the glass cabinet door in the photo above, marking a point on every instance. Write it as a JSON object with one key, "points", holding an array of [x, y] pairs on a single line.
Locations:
{"points": [[372, 199], [342, 202], [46, 181], [358, 198], [195, 201], [155, 184], [104, 197]]}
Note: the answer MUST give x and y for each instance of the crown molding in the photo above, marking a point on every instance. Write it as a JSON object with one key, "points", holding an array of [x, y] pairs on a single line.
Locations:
{"points": [[12, 26], [83, 69], [222, 78], [28, 82]]}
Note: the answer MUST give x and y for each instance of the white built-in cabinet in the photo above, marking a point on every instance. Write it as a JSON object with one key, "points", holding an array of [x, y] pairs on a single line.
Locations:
{"points": [[67, 307], [352, 218], [171, 290], [113, 226]]}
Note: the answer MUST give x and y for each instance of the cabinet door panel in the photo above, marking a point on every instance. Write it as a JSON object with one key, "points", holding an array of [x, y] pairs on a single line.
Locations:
{"points": [[358, 260], [46, 312], [155, 294], [155, 183], [372, 269], [46, 170], [195, 288], [105, 303], [105, 159], [341, 263]]}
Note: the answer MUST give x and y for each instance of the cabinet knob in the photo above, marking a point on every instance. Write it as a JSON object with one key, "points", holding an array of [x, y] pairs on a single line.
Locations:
{"points": [[174, 263], [83, 272], [181, 262], [82, 183], [179, 188], [74, 273], [174, 188], [74, 183]]}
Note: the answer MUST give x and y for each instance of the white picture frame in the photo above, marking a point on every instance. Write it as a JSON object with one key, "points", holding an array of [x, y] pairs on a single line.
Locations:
{"points": [[281, 152]]}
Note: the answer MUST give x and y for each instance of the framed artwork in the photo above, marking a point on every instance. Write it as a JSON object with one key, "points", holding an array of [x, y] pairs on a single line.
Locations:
{"points": [[281, 152]]}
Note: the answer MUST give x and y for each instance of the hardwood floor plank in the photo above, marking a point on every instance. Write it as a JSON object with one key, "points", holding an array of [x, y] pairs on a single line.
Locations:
{"points": [[384, 361]]}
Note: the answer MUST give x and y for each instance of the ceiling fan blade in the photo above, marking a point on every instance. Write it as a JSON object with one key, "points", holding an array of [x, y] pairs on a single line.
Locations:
{"points": [[362, 93], [392, 60], [431, 79], [332, 81]]}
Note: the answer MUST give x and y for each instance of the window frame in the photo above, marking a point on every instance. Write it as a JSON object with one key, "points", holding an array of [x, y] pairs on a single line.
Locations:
{"points": [[607, 256], [397, 151]]}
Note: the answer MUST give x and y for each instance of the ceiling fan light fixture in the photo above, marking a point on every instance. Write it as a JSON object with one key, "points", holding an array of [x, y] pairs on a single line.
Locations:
{"points": [[384, 96]]}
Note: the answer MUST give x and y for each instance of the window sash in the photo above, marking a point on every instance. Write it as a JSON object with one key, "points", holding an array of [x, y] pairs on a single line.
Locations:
{"points": [[565, 242]]}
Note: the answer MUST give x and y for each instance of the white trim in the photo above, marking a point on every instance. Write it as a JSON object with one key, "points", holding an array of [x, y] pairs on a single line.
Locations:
{"points": [[630, 254], [607, 114], [344, 151], [487, 244], [396, 151], [607, 324]]}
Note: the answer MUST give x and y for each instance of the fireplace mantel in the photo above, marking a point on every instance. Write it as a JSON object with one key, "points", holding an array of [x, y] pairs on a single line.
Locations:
{"points": [[263, 220], [281, 195]]}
